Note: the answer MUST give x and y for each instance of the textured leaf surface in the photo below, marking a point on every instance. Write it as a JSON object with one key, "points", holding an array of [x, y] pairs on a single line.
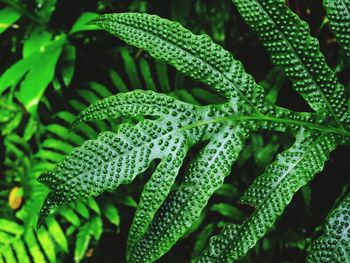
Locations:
{"points": [[132, 104], [290, 45], [334, 244], [338, 13], [196, 56], [168, 128], [270, 194], [116, 158], [183, 207], [154, 194]]}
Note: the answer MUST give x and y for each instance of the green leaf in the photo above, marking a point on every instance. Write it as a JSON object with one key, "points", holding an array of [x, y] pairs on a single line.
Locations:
{"points": [[30, 129], [183, 207], [38, 78], [68, 63], [202, 240], [11, 116], [166, 129], [70, 216], [81, 23], [270, 194], [91, 228], [186, 96], [8, 16], [20, 251], [128, 201], [8, 254], [112, 214], [15, 73], [162, 180], [147, 75], [93, 205], [38, 50], [118, 81], [57, 233], [11, 242], [82, 242], [36, 43], [100, 89], [96, 227], [47, 244], [81, 209], [34, 247], [88, 95], [131, 69], [333, 245], [206, 96], [291, 47], [64, 134], [338, 13], [126, 104], [188, 53], [46, 8], [10, 227], [57, 145], [228, 211]]}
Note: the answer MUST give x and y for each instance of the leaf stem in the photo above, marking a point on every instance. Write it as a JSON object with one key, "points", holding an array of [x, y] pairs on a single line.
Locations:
{"points": [[263, 118]]}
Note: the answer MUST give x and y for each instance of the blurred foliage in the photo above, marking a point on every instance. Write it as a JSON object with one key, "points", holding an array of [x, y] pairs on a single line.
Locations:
{"points": [[51, 69]]}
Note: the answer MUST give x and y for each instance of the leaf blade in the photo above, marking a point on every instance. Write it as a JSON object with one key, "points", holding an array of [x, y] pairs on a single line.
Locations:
{"points": [[332, 245], [188, 53], [297, 52], [281, 179], [338, 13]]}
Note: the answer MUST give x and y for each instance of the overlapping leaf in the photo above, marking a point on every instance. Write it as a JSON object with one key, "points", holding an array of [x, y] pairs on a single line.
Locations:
{"points": [[20, 245], [270, 194], [338, 13], [334, 244], [291, 47], [116, 158], [195, 56]]}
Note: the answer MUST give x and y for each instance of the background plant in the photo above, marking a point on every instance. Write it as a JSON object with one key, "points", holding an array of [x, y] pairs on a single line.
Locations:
{"points": [[44, 143]]}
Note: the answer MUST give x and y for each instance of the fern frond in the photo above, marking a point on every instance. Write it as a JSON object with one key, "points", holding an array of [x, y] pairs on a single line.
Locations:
{"points": [[194, 55], [58, 142], [131, 104], [291, 47], [334, 244], [11, 116], [154, 194], [93, 228], [338, 13], [270, 194], [20, 245], [168, 128], [123, 155], [183, 207]]}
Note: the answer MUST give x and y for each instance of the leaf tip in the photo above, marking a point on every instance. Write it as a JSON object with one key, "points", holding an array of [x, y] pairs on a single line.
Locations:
{"points": [[97, 21]]}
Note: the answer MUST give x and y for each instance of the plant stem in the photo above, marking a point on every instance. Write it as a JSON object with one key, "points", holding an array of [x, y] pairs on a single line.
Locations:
{"points": [[263, 118]]}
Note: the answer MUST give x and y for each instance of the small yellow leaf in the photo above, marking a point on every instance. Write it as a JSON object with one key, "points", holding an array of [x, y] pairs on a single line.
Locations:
{"points": [[16, 197]]}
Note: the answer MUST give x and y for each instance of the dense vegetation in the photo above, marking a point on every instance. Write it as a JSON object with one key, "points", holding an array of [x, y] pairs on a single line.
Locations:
{"points": [[184, 116]]}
